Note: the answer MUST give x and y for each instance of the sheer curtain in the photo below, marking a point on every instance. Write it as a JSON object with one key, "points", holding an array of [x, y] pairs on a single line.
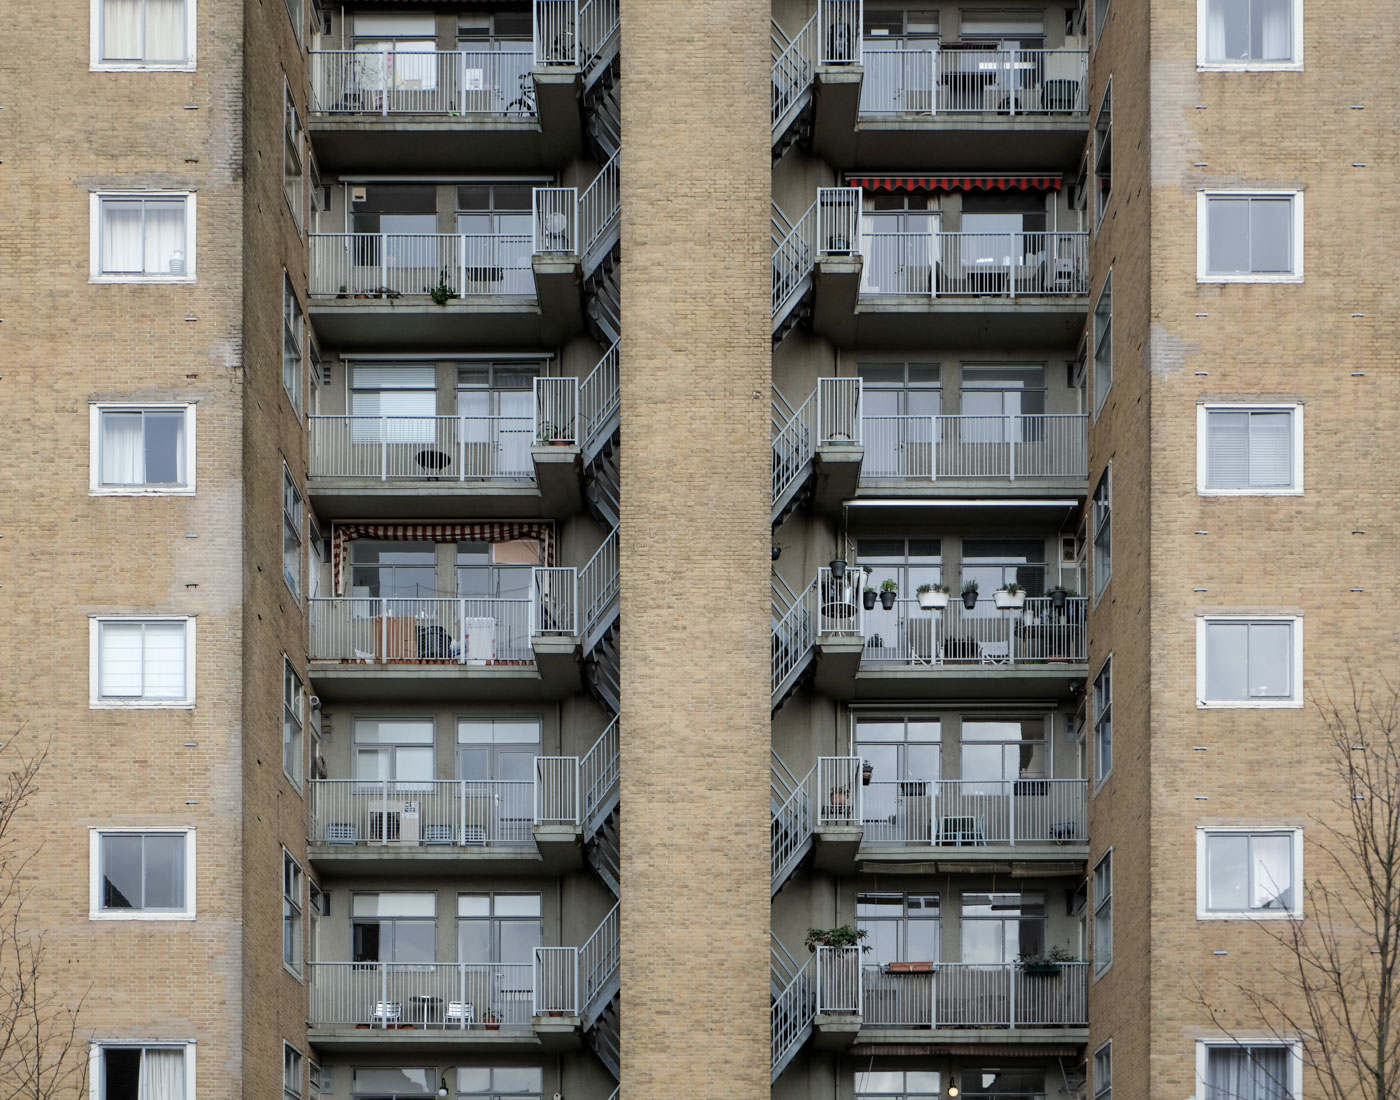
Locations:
{"points": [[1276, 29], [121, 30], [162, 1075], [1215, 30], [165, 30], [1250, 1073], [122, 449], [121, 235], [144, 30], [143, 236], [165, 237]]}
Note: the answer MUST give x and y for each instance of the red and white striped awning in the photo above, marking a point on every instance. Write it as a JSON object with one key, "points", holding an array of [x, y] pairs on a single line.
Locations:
{"points": [[345, 533], [1043, 182]]}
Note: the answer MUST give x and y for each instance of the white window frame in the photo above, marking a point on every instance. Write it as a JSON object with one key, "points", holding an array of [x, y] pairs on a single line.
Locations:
{"points": [[1101, 392], [1205, 65], [1204, 832], [95, 486], [99, 1046], [293, 520], [1103, 1082], [96, 701], [98, 64], [96, 274], [1203, 411], [293, 330], [293, 711], [287, 1092], [1102, 965], [1100, 19], [1101, 576], [1101, 204], [1203, 273], [294, 136], [95, 910], [1293, 702], [1097, 714], [1295, 1062], [297, 917]]}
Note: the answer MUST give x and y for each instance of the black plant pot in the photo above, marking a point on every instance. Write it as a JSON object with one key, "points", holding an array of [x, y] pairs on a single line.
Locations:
{"points": [[865, 775], [1058, 597], [970, 600], [838, 569], [887, 600], [868, 599]]}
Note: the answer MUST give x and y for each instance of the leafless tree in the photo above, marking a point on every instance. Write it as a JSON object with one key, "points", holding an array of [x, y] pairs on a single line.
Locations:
{"points": [[42, 1054], [1338, 984]]}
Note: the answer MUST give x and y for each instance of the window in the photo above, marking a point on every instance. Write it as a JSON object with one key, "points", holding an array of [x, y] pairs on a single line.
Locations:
{"points": [[292, 519], [1002, 1083], [141, 875], [900, 927], [1249, 662], [394, 926], [1249, 34], [997, 928], [293, 889], [1103, 723], [142, 662], [393, 1082], [142, 34], [140, 449], [293, 341], [1247, 450], [1103, 1072], [125, 1071], [318, 1080], [1249, 238], [291, 1072], [143, 236], [898, 1084], [905, 753], [1103, 345], [500, 1082], [293, 722], [1103, 531], [1100, 17], [1229, 1070], [1103, 914], [1103, 156], [1248, 873], [297, 12], [398, 751], [293, 157]]}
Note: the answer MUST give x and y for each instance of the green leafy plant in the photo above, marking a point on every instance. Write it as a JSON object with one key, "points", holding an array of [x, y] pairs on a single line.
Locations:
{"points": [[1054, 957], [930, 588], [889, 586], [841, 936], [443, 292], [1011, 587], [969, 588]]}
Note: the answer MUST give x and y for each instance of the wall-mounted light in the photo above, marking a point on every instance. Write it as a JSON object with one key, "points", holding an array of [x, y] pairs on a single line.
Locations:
{"points": [[777, 552], [442, 1088]]}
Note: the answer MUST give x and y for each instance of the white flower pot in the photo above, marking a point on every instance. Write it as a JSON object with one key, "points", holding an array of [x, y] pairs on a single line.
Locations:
{"points": [[1006, 601], [933, 601]]}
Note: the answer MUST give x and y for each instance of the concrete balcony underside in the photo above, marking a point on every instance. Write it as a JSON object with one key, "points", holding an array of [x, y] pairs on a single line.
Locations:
{"points": [[841, 675], [962, 488], [350, 682], [546, 1035], [986, 142], [557, 851], [1030, 1038]]}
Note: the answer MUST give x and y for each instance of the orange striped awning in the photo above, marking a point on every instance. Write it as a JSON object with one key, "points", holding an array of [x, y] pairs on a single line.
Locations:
{"points": [[1043, 182]]}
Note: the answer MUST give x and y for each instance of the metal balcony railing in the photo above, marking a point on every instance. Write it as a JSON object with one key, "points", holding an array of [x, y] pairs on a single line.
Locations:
{"points": [[1003, 448], [459, 265], [392, 995], [974, 995], [432, 448], [974, 813], [470, 812], [830, 415], [986, 265], [1037, 633], [944, 80], [450, 83]]}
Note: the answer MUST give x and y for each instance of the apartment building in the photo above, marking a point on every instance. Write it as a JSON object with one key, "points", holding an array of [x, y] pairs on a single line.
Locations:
{"points": [[384, 625]]}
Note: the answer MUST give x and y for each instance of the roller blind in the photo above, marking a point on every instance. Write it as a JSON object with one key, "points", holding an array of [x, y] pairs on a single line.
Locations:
{"points": [[141, 660], [1248, 449]]}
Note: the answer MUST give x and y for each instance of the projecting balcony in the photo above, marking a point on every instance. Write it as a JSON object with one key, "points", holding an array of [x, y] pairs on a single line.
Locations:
{"points": [[516, 105], [376, 648]]}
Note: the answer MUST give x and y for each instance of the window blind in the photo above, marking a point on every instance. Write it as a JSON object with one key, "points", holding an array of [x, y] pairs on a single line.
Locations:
{"points": [[141, 660], [1249, 449]]}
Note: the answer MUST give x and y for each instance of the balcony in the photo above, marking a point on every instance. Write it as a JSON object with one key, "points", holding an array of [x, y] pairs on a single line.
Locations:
{"points": [[517, 106]]}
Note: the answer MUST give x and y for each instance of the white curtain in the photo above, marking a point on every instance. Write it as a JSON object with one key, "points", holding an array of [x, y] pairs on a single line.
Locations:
{"points": [[162, 1075], [121, 235], [1251, 1073], [165, 237], [143, 236], [122, 449], [1215, 30], [144, 30], [119, 660], [121, 30], [165, 30], [164, 660], [1276, 30]]}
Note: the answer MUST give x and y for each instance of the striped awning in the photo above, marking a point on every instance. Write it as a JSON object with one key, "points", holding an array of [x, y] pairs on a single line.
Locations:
{"points": [[1043, 182], [345, 533]]}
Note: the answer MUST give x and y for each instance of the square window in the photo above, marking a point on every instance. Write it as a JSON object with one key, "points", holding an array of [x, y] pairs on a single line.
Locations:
{"points": [[1103, 914], [1228, 1070], [130, 1071], [1249, 238], [293, 520], [1248, 450], [141, 662], [137, 450], [142, 875], [292, 1087], [1248, 873], [1103, 532], [1103, 723], [144, 236], [1249, 662], [293, 890], [1103, 1072], [1103, 345], [293, 723], [1249, 34], [142, 34]]}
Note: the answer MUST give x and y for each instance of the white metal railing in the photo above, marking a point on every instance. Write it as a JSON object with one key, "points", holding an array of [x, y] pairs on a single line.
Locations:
{"points": [[438, 82], [936, 80], [842, 607], [557, 796], [954, 812], [430, 994], [838, 220], [374, 630], [599, 771], [794, 445], [792, 261], [554, 608], [839, 31], [555, 219], [794, 634], [998, 265], [1037, 633], [556, 410], [828, 796], [600, 204], [459, 265], [436, 448], [838, 411], [556, 981], [838, 791], [556, 32], [792, 70], [974, 995], [598, 581], [600, 956], [599, 397], [999, 447], [838, 980], [598, 28], [793, 1010], [475, 812]]}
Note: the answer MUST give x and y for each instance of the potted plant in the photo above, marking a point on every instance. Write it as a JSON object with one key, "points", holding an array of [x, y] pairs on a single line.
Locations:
{"points": [[1058, 595], [841, 936], [1010, 597], [839, 796], [867, 598], [1047, 964], [888, 591], [341, 292], [443, 292], [867, 769], [969, 595], [492, 1020], [932, 597], [838, 568]]}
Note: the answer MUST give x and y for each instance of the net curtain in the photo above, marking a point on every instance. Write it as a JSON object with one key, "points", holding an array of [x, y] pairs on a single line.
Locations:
{"points": [[144, 30]]}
